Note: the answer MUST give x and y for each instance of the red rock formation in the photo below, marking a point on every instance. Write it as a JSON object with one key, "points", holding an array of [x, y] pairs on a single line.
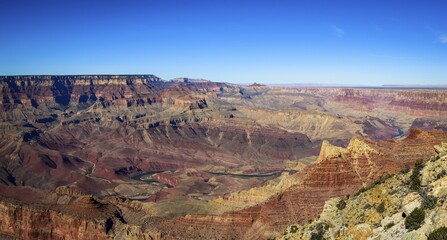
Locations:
{"points": [[166, 178], [95, 132], [337, 173], [419, 103], [65, 213]]}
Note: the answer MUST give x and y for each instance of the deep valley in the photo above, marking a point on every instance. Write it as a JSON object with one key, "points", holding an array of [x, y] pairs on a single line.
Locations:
{"points": [[135, 156]]}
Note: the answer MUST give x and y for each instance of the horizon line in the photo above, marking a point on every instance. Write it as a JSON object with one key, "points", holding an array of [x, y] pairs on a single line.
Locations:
{"points": [[296, 84]]}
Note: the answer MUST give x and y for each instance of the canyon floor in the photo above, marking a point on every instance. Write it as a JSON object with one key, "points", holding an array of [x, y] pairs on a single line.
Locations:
{"points": [[137, 157]]}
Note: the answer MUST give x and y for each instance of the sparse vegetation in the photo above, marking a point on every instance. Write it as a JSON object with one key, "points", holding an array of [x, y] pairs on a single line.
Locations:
{"points": [[293, 229], [438, 234], [381, 208], [377, 182], [415, 180], [435, 158], [415, 184], [389, 225], [441, 174], [419, 165], [363, 189], [415, 219], [428, 201], [341, 204], [318, 234], [367, 206]]}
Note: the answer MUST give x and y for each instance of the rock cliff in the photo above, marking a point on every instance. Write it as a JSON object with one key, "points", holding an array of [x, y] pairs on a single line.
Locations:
{"points": [[338, 172], [133, 156], [411, 101], [62, 214], [388, 207]]}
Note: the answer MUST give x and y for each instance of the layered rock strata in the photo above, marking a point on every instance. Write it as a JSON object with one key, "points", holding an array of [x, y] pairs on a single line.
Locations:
{"points": [[338, 172]]}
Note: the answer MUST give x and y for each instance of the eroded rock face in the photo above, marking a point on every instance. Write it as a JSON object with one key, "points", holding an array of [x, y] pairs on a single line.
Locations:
{"points": [[195, 146], [339, 172], [30, 223], [65, 90], [102, 128], [329, 151], [167, 179], [63, 214], [414, 102], [385, 207]]}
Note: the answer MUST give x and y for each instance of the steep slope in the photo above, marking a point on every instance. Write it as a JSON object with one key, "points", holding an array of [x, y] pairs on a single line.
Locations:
{"points": [[338, 172], [64, 213], [338, 114], [406, 101], [195, 159], [102, 133], [389, 207]]}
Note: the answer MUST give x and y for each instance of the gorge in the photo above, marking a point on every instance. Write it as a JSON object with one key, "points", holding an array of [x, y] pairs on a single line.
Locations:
{"points": [[135, 156]]}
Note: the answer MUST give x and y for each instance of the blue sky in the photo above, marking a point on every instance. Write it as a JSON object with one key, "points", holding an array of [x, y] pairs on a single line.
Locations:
{"points": [[348, 42]]}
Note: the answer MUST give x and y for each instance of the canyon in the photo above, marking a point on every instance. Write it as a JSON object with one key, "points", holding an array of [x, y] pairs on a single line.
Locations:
{"points": [[387, 207], [138, 157]]}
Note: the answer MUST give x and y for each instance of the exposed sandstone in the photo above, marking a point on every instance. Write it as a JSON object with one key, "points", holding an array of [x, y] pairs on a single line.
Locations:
{"points": [[60, 216], [338, 173], [398, 201], [96, 134]]}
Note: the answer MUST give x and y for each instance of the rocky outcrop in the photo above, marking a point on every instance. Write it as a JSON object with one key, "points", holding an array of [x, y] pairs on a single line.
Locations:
{"points": [[202, 158], [93, 130], [338, 172], [36, 90], [25, 222], [166, 178], [413, 102], [385, 207], [63, 214], [42, 98], [329, 151]]}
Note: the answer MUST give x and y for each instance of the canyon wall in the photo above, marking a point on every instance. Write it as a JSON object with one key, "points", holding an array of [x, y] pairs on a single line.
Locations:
{"points": [[416, 102], [185, 147], [338, 172]]}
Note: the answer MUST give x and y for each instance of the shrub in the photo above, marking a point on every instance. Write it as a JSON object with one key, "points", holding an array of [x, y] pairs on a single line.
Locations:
{"points": [[293, 229], [389, 225], [341, 204], [381, 208], [415, 219], [441, 174], [363, 189], [415, 181], [381, 180], [438, 234], [367, 206], [415, 184], [419, 165], [319, 232], [428, 201], [316, 236]]}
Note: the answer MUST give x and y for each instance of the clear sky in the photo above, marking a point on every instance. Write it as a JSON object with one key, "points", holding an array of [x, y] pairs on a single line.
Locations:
{"points": [[348, 42]]}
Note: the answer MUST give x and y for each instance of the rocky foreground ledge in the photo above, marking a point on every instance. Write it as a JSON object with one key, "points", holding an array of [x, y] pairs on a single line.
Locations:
{"points": [[407, 205]]}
